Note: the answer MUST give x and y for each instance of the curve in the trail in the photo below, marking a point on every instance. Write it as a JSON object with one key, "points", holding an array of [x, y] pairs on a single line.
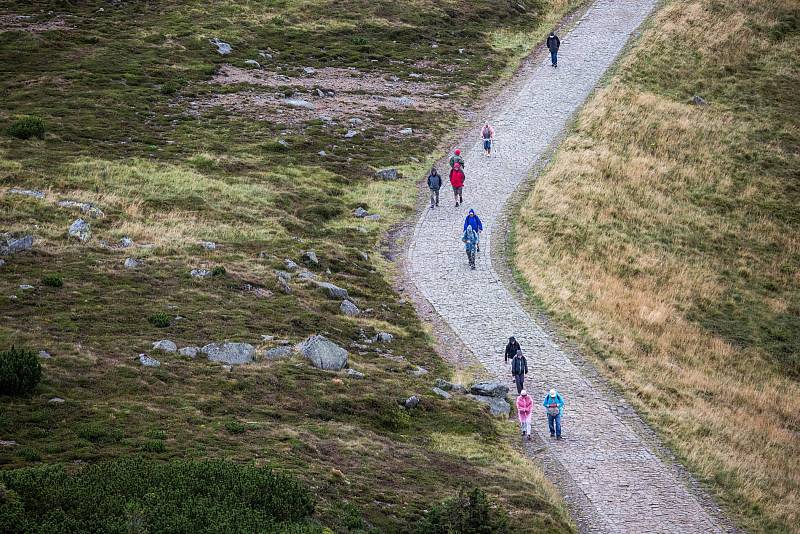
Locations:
{"points": [[628, 487]]}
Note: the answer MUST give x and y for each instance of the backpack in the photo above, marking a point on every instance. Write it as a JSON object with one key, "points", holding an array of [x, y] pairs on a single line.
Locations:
{"points": [[552, 408], [457, 166]]}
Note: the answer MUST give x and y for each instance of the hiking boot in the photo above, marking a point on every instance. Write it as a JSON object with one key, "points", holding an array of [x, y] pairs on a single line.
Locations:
{"points": [[558, 437], [529, 437], [552, 435]]}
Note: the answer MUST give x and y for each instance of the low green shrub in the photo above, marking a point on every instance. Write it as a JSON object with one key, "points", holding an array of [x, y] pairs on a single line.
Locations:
{"points": [[219, 270], [30, 454], [20, 371], [53, 280], [170, 87], [471, 512], [235, 427], [153, 445], [26, 127], [97, 432], [160, 320], [142, 495]]}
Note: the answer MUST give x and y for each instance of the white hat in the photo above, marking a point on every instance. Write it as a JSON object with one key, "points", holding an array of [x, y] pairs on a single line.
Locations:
{"points": [[552, 392], [523, 392]]}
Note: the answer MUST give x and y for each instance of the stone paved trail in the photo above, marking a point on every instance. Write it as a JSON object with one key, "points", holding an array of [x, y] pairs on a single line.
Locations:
{"points": [[627, 486]]}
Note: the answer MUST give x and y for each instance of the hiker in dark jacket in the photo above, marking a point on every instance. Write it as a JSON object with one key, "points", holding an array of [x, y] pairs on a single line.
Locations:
{"points": [[553, 42], [475, 222], [434, 184], [519, 368], [456, 158], [512, 348]]}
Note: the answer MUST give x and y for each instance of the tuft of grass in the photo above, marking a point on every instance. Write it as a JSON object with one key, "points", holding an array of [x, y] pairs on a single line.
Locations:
{"points": [[26, 127], [160, 320], [235, 427], [98, 432], [664, 239], [52, 280], [219, 270]]}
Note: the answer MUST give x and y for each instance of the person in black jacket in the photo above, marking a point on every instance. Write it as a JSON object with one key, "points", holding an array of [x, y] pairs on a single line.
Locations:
{"points": [[434, 184], [519, 368], [512, 348], [553, 42]]}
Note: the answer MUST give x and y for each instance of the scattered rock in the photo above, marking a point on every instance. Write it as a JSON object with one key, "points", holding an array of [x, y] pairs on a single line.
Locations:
{"points": [[350, 134], [372, 217], [12, 245], [278, 353], [133, 263], [360, 212], [387, 174], [349, 309], [323, 353], [208, 245], [189, 352], [490, 389], [307, 276], [265, 54], [292, 266], [355, 121], [26, 192], [7, 443], [497, 406], [405, 101], [443, 394], [258, 292], [310, 256], [165, 345], [321, 93], [354, 373], [419, 371], [283, 275], [252, 63], [56, 400], [383, 337], [698, 101], [85, 207], [26, 287], [201, 273], [126, 242], [147, 361], [222, 47], [449, 386], [298, 103], [411, 402], [230, 353], [43, 354], [80, 229], [333, 291], [363, 255], [322, 153], [415, 74], [406, 131], [284, 286], [309, 70]]}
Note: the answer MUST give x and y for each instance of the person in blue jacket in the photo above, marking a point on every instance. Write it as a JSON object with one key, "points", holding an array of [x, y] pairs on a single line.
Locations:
{"points": [[475, 222], [554, 404], [470, 239]]}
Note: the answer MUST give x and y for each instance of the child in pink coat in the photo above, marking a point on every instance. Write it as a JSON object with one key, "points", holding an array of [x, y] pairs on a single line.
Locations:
{"points": [[524, 408]]}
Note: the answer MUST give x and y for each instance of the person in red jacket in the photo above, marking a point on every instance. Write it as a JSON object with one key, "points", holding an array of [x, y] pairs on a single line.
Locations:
{"points": [[457, 181], [524, 409]]}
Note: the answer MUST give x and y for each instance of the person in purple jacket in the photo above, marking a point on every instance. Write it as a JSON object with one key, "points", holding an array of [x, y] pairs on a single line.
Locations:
{"points": [[475, 222]]}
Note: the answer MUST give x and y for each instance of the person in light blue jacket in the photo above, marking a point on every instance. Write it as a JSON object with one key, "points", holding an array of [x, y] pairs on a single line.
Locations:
{"points": [[554, 404]]}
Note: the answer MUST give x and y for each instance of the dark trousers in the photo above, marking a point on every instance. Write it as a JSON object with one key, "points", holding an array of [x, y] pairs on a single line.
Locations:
{"points": [[554, 57], [554, 424], [519, 380]]}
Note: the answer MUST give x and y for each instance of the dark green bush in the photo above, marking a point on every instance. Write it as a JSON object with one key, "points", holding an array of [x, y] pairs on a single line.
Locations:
{"points": [[170, 88], [471, 512], [99, 432], [235, 427], [140, 495], [26, 127], [53, 280], [29, 453], [20, 371], [160, 320], [219, 270], [154, 445]]}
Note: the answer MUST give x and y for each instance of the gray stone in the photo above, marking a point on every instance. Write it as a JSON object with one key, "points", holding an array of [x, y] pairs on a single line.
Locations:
{"points": [[292, 266], [355, 121], [321, 93], [284, 286], [322, 153], [363, 255], [126, 242], [332, 290], [449, 386], [298, 103], [12, 245], [310, 256], [405, 101], [698, 101], [165, 345], [387, 174], [306, 276], [80, 229], [26, 287], [44, 355], [411, 402], [56, 400], [418, 371], [133, 263], [147, 361], [189, 352], [350, 134], [406, 131], [265, 54], [278, 353], [360, 212], [309, 70], [208, 245], [497, 407], [383, 337], [85, 207], [222, 47], [372, 217], [252, 63], [489, 388], [230, 353], [26, 192], [354, 373], [284, 275], [443, 394], [323, 353], [349, 309], [201, 273], [7, 443]]}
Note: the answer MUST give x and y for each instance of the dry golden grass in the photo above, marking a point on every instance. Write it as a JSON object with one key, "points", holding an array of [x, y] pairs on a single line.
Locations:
{"points": [[654, 216]]}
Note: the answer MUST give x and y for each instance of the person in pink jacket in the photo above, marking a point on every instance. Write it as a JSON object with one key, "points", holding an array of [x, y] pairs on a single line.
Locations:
{"points": [[524, 409]]}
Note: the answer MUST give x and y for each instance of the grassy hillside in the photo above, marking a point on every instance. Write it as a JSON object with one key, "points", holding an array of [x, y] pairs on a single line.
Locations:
{"points": [[177, 145], [664, 237]]}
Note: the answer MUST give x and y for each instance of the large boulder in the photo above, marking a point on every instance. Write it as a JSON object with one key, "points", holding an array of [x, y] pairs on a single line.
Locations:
{"points": [[310, 256], [12, 245], [147, 361], [383, 337], [333, 291], [443, 384], [349, 309], [278, 353], [80, 229], [411, 402], [387, 174], [489, 389], [442, 393], [165, 345], [497, 406], [230, 353], [26, 192], [323, 353], [222, 47]]}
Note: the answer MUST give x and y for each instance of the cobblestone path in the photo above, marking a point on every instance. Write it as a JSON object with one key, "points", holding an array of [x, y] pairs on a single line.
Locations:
{"points": [[627, 487]]}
